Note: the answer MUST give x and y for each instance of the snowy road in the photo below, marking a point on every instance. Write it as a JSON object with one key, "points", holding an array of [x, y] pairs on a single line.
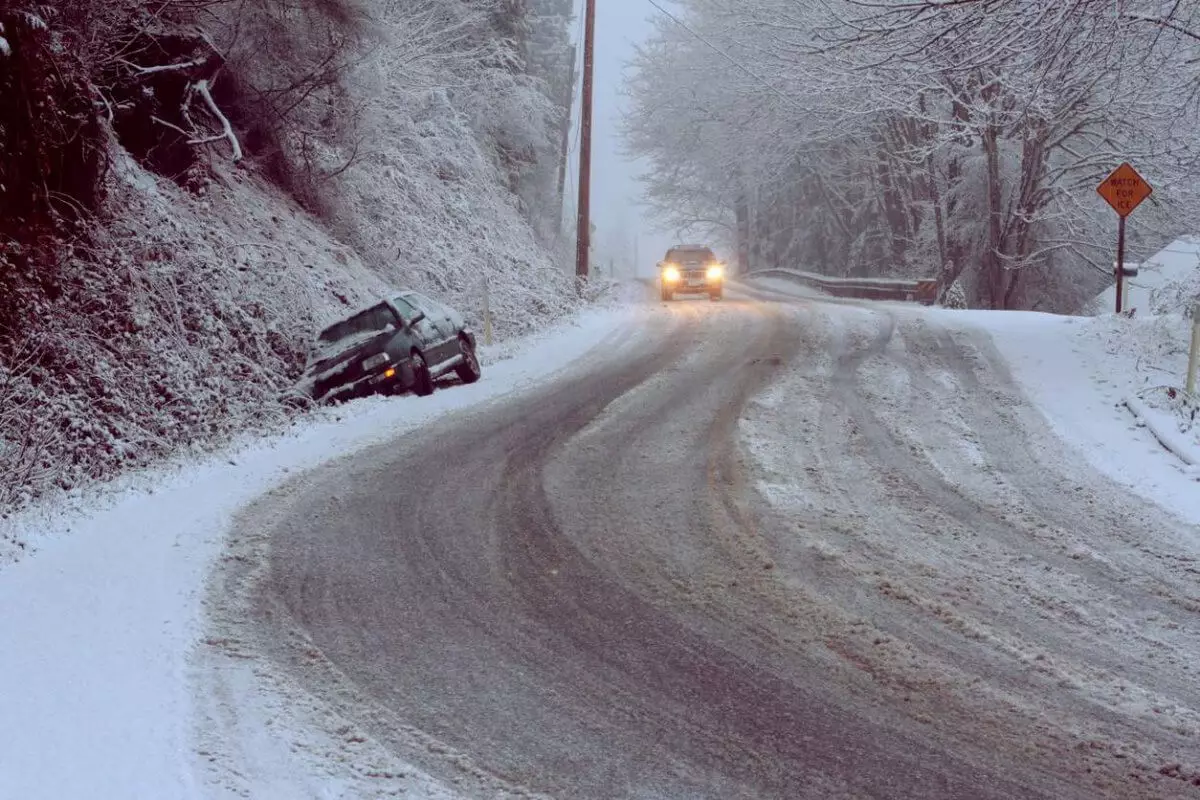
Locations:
{"points": [[771, 547]]}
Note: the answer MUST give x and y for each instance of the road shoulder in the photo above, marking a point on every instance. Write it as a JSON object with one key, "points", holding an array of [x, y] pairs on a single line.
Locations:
{"points": [[109, 612]]}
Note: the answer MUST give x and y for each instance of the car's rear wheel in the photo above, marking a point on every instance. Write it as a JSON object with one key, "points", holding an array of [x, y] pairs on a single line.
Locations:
{"points": [[422, 377], [469, 370]]}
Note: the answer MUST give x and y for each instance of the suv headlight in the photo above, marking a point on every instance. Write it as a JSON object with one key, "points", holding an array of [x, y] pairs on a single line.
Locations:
{"points": [[671, 274], [715, 272]]}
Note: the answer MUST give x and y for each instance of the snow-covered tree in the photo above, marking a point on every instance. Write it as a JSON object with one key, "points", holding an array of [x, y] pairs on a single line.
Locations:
{"points": [[891, 136]]}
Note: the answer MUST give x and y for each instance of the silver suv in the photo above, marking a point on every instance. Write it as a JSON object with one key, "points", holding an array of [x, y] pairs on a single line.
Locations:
{"points": [[691, 269]]}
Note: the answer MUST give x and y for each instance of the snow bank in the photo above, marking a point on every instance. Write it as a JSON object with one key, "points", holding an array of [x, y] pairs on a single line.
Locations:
{"points": [[1172, 416], [1080, 372], [97, 629], [1167, 283]]}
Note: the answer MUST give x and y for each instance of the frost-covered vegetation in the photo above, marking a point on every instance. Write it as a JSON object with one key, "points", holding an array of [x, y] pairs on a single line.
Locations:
{"points": [[189, 188], [962, 139]]}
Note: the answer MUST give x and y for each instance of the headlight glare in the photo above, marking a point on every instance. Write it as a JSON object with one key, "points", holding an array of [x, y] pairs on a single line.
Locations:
{"points": [[715, 272], [671, 274]]}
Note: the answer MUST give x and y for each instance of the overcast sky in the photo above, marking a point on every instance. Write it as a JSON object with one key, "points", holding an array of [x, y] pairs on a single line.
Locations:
{"points": [[616, 192]]}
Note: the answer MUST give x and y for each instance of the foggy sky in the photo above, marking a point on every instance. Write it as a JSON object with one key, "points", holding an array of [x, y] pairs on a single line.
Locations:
{"points": [[616, 192]]}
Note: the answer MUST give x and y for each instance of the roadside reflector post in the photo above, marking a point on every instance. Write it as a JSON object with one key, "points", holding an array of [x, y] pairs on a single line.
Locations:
{"points": [[1124, 190], [1194, 353], [487, 314]]}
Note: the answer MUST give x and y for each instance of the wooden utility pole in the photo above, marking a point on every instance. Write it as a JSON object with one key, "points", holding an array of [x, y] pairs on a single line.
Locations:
{"points": [[582, 240]]}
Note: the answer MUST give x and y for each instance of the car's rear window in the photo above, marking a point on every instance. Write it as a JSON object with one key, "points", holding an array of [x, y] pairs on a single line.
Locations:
{"points": [[405, 305], [428, 304], [691, 254], [373, 320]]}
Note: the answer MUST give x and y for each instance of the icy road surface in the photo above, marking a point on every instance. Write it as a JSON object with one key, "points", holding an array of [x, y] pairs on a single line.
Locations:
{"points": [[764, 548]]}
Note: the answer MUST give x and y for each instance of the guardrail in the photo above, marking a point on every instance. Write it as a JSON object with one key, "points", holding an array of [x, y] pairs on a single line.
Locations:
{"points": [[921, 290]]}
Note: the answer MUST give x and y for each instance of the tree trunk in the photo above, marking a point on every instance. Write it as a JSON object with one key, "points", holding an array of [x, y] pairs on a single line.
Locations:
{"points": [[992, 261], [742, 214], [1033, 171]]}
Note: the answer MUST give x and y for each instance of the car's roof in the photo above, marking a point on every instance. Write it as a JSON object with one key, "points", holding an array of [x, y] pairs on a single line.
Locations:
{"points": [[358, 310], [365, 307]]}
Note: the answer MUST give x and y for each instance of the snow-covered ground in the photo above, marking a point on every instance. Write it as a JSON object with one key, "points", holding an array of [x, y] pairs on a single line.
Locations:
{"points": [[1088, 374], [951, 485], [1159, 280], [101, 622], [104, 620], [1101, 382]]}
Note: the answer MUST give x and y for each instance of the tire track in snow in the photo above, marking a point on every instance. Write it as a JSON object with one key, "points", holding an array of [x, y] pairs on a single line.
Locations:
{"points": [[890, 462]]}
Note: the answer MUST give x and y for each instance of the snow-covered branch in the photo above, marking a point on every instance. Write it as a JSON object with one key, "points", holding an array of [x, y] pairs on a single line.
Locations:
{"points": [[201, 88], [181, 67], [198, 73]]}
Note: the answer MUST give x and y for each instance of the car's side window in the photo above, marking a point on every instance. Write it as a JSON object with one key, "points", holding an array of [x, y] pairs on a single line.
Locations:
{"points": [[384, 316]]}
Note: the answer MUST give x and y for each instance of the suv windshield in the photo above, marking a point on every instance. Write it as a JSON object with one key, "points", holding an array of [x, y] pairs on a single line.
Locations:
{"points": [[374, 320], [690, 254]]}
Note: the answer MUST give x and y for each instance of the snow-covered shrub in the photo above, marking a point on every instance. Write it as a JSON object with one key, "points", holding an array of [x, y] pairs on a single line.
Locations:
{"points": [[954, 297], [1178, 408], [1158, 343], [1180, 296], [1177, 402], [53, 155], [286, 86], [23, 445]]}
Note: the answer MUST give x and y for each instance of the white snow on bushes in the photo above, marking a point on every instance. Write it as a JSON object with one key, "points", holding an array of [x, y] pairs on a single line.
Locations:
{"points": [[197, 321]]}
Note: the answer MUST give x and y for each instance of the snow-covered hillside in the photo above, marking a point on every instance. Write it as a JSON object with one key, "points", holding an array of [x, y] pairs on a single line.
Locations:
{"points": [[160, 283]]}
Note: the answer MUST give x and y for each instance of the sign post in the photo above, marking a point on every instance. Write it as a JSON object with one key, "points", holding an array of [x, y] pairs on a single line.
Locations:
{"points": [[487, 314], [1124, 190]]}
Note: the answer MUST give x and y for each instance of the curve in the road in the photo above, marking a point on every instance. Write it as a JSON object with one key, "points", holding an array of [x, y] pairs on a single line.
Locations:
{"points": [[580, 592]]}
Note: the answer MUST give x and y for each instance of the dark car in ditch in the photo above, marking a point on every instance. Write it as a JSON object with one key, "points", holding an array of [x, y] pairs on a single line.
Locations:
{"points": [[403, 342]]}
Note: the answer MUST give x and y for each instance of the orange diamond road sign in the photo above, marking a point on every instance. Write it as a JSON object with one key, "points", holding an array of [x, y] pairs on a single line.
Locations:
{"points": [[1124, 190]]}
